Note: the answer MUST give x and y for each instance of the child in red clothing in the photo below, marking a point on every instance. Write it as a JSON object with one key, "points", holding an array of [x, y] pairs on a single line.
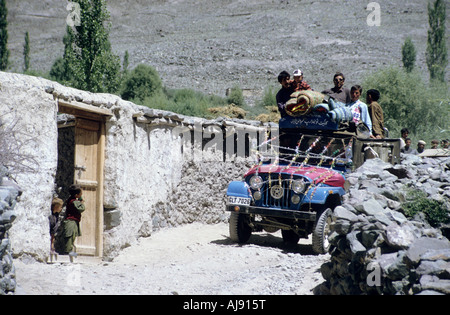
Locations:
{"points": [[298, 83]]}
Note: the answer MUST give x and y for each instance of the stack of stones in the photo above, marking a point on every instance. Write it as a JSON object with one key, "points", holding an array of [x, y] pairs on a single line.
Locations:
{"points": [[9, 193], [375, 249]]}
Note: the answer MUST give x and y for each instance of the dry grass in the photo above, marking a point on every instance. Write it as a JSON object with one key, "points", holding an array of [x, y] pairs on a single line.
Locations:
{"points": [[273, 115], [229, 111]]}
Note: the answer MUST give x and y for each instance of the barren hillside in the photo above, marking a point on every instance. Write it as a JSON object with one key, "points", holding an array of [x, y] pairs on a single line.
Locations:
{"points": [[213, 45]]}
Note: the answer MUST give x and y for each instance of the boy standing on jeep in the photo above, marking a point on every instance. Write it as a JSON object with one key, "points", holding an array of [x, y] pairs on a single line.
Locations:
{"points": [[359, 110], [284, 94], [376, 114]]}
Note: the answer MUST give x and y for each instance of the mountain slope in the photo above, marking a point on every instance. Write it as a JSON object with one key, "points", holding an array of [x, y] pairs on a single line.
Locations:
{"points": [[213, 45]]}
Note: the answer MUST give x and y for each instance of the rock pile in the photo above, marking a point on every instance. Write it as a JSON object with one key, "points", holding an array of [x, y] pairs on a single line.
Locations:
{"points": [[9, 192], [375, 248]]}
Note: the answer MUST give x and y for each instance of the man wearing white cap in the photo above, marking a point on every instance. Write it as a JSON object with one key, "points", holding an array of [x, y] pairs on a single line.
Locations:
{"points": [[420, 147], [298, 83]]}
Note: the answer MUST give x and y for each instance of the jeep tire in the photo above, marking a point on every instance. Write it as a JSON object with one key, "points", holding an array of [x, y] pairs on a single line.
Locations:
{"points": [[320, 243], [240, 231]]}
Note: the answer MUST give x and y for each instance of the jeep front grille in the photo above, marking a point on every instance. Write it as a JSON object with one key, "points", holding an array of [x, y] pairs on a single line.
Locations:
{"points": [[274, 195]]}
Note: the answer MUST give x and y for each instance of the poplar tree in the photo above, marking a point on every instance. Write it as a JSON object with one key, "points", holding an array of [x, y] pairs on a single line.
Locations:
{"points": [[26, 53], [436, 53], [88, 61], [408, 55], [125, 63], [4, 52]]}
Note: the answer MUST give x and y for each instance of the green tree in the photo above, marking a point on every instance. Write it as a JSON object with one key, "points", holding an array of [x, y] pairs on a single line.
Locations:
{"points": [[88, 61], [408, 102], [436, 53], [408, 55], [142, 82], [4, 52], [26, 53]]}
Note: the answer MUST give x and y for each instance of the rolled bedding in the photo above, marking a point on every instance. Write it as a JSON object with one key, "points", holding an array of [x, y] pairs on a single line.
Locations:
{"points": [[303, 102]]}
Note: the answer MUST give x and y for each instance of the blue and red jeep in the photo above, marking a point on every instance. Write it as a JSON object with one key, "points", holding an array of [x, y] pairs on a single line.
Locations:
{"points": [[299, 188]]}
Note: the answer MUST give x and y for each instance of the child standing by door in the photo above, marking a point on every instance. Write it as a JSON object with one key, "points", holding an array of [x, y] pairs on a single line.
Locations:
{"points": [[55, 222], [71, 225]]}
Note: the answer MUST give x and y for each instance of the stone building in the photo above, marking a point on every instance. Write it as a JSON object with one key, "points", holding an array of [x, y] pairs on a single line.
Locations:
{"points": [[141, 169]]}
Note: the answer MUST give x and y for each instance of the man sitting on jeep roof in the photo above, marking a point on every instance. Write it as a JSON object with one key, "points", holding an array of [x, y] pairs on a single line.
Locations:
{"points": [[339, 92]]}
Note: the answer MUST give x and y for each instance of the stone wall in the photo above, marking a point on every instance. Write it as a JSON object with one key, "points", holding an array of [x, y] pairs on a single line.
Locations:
{"points": [[9, 194], [160, 168], [375, 248], [160, 179]]}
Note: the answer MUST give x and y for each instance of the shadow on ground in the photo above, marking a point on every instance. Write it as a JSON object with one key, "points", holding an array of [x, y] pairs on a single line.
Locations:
{"points": [[272, 241]]}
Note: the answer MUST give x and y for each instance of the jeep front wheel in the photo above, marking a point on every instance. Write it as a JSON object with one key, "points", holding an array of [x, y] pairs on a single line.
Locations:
{"points": [[240, 231], [320, 242]]}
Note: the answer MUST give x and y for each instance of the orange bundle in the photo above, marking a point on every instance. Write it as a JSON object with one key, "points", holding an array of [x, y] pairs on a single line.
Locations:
{"points": [[303, 102]]}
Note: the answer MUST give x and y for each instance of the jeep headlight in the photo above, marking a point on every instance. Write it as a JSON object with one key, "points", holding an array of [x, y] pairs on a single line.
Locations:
{"points": [[298, 186], [256, 182], [295, 199]]}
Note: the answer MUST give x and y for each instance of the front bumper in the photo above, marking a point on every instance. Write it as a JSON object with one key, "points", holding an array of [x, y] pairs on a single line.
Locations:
{"points": [[271, 212]]}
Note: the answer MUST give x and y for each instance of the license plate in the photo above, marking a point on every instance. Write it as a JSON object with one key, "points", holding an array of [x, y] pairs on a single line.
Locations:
{"points": [[238, 201]]}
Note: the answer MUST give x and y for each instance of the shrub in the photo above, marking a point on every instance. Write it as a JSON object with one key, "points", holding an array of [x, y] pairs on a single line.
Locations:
{"points": [[183, 101], [142, 82], [189, 102], [435, 212], [236, 96], [269, 98]]}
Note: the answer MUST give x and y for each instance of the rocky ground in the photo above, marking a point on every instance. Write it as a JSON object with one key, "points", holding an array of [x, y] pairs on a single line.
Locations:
{"points": [[195, 259], [201, 259], [221, 43]]}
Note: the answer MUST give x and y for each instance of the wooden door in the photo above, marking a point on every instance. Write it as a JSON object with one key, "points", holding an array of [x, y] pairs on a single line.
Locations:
{"points": [[89, 157]]}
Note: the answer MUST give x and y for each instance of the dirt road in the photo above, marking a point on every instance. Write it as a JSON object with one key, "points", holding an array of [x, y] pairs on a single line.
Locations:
{"points": [[191, 259]]}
